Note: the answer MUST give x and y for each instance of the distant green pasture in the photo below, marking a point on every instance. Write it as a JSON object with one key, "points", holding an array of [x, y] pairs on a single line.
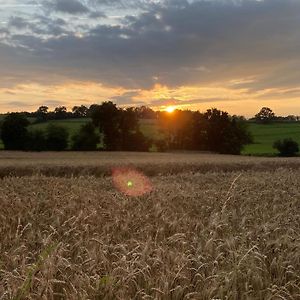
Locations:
{"points": [[264, 135]]}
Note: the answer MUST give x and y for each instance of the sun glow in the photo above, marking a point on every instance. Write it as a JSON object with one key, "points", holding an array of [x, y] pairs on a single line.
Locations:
{"points": [[170, 109]]}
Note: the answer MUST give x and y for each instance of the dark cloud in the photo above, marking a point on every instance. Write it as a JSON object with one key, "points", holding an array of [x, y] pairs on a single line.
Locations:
{"points": [[126, 98], [18, 22], [68, 6], [173, 42], [53, 103], [97, 15], [50, 26]]}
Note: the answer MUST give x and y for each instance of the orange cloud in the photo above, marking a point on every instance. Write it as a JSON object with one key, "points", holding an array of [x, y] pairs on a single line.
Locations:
{"points": [[225, 96]]}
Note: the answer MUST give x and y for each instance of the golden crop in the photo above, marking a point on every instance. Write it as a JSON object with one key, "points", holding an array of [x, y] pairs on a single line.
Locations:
{"points": [[213, 227]]}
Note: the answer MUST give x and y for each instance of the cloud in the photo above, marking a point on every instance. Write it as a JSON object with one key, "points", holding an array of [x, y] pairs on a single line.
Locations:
{"points": [[18, 22], [68, 6], [97, 15], [175, 43], [53, 103], [127, 98], [17, 103], [180, 102]]}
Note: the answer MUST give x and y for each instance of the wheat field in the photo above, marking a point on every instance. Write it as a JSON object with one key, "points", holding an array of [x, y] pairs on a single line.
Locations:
{"points": [[211, 227]]}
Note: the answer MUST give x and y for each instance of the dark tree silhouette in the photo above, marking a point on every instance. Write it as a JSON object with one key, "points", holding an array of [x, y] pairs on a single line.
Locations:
{"points": [[236, 137], [80, 111], [36, 141], [86, 139], [41, 113], [199, 133], [145, 112], [265, 116], [107, 118], [225, 134], [14, 131], [119, 127], [136, 141], [286, 147], [214, 130], [217, 123], [177, 129], [60, 112], [128, 124], [56, 138]]}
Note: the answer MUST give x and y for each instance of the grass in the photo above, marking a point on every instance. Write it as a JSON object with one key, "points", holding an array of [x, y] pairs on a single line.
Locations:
{"points": [[72, 125], [99, 164], [148, 127], [265, 135], [213, 227]]}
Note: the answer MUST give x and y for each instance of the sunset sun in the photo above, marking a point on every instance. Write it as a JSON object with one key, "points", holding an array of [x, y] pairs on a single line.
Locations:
{"points": [[170, 109]]}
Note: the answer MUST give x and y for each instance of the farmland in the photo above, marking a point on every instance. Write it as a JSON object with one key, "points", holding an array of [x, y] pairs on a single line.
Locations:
{"points": [[213, 227], [264, 135]]}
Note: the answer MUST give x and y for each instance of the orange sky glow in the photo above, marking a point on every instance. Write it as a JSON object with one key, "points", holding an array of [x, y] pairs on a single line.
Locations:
{"points": [[238, 56], [235, 101]]}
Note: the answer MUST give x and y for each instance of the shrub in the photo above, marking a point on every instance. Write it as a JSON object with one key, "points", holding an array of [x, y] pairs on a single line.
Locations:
{"points": [[56, 138], [14, 131], [161, 145], [36, 141], [86, 139], [136, 141], [286, 147]]}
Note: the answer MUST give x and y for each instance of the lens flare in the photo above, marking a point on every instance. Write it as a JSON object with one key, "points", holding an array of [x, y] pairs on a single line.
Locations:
{"points": [[131, 182]]}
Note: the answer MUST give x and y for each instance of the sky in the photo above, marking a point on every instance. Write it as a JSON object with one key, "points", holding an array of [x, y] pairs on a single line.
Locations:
{"points": [[236, 55]]}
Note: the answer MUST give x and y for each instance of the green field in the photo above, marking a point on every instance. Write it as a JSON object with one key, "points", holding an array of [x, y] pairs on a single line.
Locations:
{"points": [[72, 125], [264, 135]]}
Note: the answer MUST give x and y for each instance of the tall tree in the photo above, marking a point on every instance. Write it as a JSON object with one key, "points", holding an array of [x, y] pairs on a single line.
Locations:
{"points": [[145, 112], [86, 139], [214, 130], [41, 113], [80, 111], [177, 128], [107, 118], [119, 127], [14, 131], [265, 115], [226, 134], [60, 112]]}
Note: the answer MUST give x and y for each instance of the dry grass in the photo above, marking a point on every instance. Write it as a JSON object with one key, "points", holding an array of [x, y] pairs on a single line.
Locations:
{"points": [[68, 164], [212, 235]]}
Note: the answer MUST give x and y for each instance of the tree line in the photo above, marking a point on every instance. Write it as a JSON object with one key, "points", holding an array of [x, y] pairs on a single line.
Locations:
{"points": [[267, 116], [44, 114], [116, 129]]}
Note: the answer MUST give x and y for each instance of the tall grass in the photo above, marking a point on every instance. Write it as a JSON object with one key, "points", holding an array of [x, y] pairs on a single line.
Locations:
{"points": [[68, 164], [213, 235]]}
